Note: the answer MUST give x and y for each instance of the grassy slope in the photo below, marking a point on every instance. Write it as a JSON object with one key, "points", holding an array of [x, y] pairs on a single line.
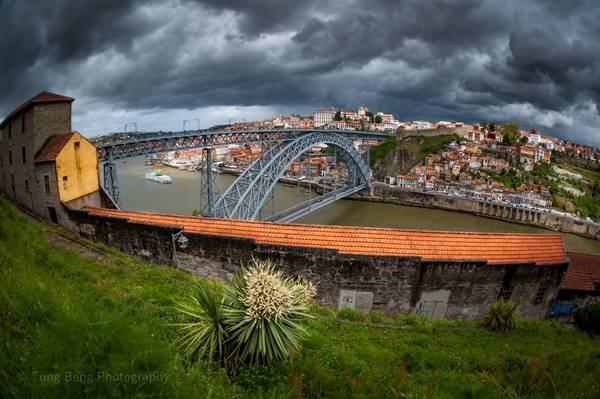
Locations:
{"points": [[62, 313]]}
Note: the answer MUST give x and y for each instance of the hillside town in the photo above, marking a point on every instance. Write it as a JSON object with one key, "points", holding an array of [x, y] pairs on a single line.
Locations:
{"points": [[485, 161]]}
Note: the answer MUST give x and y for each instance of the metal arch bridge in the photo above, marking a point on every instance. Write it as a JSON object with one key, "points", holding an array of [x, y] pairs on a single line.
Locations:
{"points": [[246, 196]]}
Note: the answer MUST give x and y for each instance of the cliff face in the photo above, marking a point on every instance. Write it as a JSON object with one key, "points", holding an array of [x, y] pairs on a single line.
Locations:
{"points": [[398, 155], [404, 155]]}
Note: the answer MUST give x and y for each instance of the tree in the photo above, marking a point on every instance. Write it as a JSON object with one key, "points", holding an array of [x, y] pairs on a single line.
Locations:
{"points": [[378, 119], [524, 140], [338, 116], [370, 115], [510, 132]]}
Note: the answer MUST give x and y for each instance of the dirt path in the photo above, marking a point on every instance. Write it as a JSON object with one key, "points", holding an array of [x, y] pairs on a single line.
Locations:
{"points": [[56, 238]]}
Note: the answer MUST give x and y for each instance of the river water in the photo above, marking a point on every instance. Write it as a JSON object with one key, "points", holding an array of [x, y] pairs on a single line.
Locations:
{"points": [[183, 196]]}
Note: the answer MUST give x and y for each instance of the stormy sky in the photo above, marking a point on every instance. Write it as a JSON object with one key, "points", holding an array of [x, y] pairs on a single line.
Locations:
{"points": [[160, 62]]}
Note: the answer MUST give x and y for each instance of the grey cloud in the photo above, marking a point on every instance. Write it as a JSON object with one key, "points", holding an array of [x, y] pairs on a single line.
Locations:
{"points": [[462, 59]]}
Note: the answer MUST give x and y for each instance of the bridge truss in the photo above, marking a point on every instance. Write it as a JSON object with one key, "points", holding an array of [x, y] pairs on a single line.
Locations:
{"points": [[249, 192]]}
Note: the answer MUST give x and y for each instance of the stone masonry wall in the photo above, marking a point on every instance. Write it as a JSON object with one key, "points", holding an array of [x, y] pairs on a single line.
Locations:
{"points": [[461, 290], [41, 122]]}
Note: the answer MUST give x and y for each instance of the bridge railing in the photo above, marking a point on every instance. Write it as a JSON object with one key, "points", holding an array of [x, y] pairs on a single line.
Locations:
{"points": [[311, 205]]}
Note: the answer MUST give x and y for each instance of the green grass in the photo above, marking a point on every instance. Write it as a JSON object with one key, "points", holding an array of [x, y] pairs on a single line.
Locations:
{"points": [[60, 314]]}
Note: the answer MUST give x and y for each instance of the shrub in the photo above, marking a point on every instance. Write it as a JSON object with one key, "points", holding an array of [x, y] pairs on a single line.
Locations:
{"points": [[377, 316], [258, 319], [351, 314], [206, 336], [500, 316], [588, 318], [264, 313]]}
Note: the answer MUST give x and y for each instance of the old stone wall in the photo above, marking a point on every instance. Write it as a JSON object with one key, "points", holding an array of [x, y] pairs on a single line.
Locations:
{"points": [[510, 213], [431, 132], [453, 289], [21, 180]]}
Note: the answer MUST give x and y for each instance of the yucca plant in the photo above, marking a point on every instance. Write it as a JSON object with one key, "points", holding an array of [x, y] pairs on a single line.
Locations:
{"points": [[264, 313], [206, 335], [256, 320], [500, 316]]}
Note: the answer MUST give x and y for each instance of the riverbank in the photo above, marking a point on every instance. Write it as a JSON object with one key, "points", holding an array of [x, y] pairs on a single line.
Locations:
{"points": [[384, 193]]}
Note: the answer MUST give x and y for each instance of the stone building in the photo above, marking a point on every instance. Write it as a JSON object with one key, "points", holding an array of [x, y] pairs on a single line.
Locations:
{"points": [[580, 286], [430, 273], [44, 166]]}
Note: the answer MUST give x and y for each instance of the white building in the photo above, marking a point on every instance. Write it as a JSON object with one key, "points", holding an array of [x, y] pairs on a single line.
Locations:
{"points": [[324, 116], [534, 139], [385, 117], [391, 124], [362, 112], [422, 125]]}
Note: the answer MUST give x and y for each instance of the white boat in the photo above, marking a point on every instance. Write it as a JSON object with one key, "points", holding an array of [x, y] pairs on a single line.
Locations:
{"points": [[158, 177]]}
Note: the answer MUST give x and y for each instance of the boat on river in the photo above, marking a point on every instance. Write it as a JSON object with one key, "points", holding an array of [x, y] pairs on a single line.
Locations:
{"points": [[158, 177]]}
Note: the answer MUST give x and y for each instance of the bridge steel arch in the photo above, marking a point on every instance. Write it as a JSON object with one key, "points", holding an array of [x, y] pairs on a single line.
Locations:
{"points": [[110, 152], [250, 191]]}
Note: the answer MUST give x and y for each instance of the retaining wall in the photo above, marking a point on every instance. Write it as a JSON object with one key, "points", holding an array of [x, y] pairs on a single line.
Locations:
{"points": [[452, 289]]}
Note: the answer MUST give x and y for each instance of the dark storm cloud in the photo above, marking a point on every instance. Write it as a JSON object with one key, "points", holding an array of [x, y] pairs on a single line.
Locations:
{"points": [[535, 61]]}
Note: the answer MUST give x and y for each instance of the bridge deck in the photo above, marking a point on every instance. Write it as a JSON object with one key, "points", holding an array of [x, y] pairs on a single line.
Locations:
{"points": [[495, 248]]}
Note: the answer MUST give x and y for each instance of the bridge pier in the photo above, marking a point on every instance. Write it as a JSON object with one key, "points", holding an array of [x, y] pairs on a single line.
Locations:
{"points": [[111, 182], [208, 188]]}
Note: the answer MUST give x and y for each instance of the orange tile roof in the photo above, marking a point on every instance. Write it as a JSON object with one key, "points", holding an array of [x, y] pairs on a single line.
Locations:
{"points": [[41, 97], [495, 248], [583, 273], [52, 148]]}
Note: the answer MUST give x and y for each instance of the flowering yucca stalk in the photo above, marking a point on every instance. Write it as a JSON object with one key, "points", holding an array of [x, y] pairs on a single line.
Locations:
{"points": [[257, 319], [264, 313]]}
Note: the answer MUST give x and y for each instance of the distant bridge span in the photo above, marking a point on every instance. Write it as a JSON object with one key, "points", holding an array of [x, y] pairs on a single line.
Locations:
{"points": [[247, 195], [210, 138]]}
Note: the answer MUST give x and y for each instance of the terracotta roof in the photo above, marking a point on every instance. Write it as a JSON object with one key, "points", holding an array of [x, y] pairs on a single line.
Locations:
{"points": [[583, 272], [495, 248], [50, 151], [41, 97]]}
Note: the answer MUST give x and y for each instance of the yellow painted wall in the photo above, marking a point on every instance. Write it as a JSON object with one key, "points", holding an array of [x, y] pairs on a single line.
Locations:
{"points": [[80, 166]]}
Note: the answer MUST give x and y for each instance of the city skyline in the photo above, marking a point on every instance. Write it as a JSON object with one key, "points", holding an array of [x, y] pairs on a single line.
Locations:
{"points": [[159, 63]]}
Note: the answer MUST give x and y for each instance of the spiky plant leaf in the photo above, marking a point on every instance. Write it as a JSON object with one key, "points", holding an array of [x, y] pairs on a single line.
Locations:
{"points": [[500, 316], [206, 335]]}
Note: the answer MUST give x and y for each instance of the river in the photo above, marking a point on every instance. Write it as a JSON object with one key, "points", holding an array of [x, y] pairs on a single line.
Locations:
{"points": [[183, 196]]}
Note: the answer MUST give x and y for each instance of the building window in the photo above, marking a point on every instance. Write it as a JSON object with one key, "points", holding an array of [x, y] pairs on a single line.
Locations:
{"points": [[76, 145], [23, 124], [506, 293], [26, 185], [47, 183], [24, 154], [10, 157], [65, 180], [12, 185], [541, 293]]}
